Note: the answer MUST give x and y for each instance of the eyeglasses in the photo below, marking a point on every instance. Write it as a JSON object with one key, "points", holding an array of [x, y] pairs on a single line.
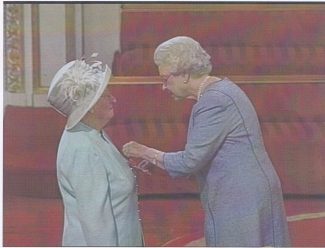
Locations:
{"points": [[165, 79]]}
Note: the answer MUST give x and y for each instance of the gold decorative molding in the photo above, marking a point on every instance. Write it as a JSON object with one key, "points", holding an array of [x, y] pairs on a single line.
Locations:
{"points": [[220, 7], [306, 216], [36, 60], [13, 48], [238, 79]]}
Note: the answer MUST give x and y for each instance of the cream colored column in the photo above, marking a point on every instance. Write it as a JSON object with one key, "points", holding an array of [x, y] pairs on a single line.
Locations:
{"points": [[28, 54], [79, 30], [52, 47]]}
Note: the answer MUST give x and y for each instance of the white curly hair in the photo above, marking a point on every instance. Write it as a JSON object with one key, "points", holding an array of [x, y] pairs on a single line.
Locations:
{"points": [[184, 55]]}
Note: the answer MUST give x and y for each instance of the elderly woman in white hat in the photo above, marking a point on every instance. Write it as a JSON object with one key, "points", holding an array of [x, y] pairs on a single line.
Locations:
{"points": [[96, 183], [240, 190]]}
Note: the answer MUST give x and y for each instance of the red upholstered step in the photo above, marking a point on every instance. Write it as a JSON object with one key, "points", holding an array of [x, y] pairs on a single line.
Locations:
{"points": [[31, 137], [287, 102], [297, 150], [241, 41], [233, 60], [223, 25]]}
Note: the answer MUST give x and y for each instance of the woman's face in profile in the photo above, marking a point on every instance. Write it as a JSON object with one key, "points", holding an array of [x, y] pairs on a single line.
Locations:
{"points": [[104, 108], [173, 83]]}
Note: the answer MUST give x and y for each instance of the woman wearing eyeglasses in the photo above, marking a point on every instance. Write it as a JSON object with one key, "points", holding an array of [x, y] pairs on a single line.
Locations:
{"points": [[240, 190]]}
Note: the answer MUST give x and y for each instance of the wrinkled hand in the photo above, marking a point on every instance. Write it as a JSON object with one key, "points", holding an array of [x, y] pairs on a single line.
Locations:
{"points": [[134, 149]]}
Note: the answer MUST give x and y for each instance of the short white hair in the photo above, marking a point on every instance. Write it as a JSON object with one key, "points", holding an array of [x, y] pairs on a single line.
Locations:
{"points": [[184, 55]]}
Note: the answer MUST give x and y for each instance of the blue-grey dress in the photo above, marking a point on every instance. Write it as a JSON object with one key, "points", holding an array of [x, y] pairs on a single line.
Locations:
{"points": [[240, 190], [98, 190]]}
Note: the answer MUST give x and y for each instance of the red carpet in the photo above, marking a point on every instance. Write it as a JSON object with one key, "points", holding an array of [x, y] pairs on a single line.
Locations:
{"points": [[166, 222]]}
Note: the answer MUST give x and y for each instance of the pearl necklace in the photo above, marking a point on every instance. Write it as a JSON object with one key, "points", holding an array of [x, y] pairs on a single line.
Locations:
{"points": [[204, 83]]}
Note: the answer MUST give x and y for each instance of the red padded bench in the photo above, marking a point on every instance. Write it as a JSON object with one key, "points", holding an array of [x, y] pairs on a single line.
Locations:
{"points": [[242, 39]]}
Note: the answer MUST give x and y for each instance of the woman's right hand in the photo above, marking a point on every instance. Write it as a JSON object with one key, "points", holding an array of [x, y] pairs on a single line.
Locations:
{"points": [[134, 150]]}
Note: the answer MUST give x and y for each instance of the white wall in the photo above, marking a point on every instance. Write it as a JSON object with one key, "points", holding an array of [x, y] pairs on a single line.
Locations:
{"points": [[102, 30], [52, 40]]}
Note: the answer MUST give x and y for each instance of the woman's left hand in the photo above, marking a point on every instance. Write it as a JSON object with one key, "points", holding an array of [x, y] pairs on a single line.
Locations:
{"points": [[134, 149]]}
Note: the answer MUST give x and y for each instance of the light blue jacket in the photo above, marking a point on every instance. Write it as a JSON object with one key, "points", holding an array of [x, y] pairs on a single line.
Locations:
{"points": [[98, 190]]}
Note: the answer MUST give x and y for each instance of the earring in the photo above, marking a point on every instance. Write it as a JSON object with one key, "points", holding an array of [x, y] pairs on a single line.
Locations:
{"points": [[188, 79]]}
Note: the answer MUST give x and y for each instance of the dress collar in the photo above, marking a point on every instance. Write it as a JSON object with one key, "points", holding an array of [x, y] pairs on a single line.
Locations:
{"points": [[82, 127]]}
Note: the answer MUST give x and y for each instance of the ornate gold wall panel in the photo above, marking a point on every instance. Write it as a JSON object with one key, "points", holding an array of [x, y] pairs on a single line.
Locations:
{"points": [[14, 48]]}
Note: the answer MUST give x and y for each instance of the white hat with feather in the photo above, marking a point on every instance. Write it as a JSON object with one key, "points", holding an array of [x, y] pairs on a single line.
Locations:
{"points": [[76, 87]]}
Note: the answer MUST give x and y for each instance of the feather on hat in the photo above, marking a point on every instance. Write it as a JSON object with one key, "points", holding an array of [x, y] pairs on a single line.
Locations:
{"points": [[76, 87]]}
